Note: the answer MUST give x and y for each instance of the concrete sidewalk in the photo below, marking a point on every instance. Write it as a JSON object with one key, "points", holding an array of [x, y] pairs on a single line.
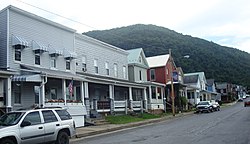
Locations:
{"points": [[94, 130]]}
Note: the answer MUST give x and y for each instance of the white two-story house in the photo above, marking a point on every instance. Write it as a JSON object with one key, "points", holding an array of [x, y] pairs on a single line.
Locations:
{"points": [[42, 54], [197, 87], [107, 85], [138, 66]]}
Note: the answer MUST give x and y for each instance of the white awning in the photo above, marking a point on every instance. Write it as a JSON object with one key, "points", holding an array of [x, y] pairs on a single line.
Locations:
{"points": [[19, 41], [39, 46], [54, 52], [69, 55], [27, 78]]}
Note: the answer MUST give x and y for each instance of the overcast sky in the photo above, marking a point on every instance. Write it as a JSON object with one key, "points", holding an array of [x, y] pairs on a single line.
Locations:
{"points": [[226, 22]]}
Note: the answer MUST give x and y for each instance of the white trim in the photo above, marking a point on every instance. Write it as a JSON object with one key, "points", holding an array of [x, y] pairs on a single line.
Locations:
{"points": [[8, 39]]}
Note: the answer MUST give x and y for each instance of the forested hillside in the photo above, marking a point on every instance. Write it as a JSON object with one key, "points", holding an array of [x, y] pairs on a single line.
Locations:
{"points": [[218, 62]]}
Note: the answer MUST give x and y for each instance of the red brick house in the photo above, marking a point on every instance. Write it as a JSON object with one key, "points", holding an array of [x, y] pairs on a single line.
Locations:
{"points": [[159, 71], [159, 67]]}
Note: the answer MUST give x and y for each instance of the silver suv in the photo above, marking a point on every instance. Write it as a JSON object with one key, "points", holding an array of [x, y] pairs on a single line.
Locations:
{"points": [[36, 126]]}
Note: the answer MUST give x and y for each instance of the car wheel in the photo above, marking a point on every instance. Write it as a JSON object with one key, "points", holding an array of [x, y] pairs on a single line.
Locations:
{"points": [[7, 141], [62, 138]]}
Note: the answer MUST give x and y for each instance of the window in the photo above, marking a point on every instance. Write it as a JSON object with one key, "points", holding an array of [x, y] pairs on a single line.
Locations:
{"points": [[84, 65], [49, 116], [63, 114], [107, 68], [17, 99], [18, 54], [17, 93], [33, 118], [53, 93], [152, 74], [96, 65], [115, 70], [153, 92], [67, 64], [159, 92], [140, 59], [53, 62], [140, 75], [37, 59], [124, 72]]}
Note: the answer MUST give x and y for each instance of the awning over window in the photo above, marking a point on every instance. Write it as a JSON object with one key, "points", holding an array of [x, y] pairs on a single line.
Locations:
{"points": [[38, 47], [54, 52], [27, 78], [69, 55], [16, 40]]}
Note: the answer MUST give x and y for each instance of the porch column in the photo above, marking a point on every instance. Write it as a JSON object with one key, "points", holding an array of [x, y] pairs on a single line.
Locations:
{"points": [[145, 100], [156, 92], [195, 97], [8, 95], [64, 91], [82, 91], [150, 97], [185, 93], [42, 93], [130, 98], [111, 92], [162, 93], [111, 98], [86, 98]]}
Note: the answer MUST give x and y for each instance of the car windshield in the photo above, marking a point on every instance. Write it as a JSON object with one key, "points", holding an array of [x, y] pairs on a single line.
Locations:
{"points": [[203, 103], [11, 118]]}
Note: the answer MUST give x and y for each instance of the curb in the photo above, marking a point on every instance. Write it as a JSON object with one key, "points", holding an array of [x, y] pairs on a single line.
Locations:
{"points": [[130, 125]]}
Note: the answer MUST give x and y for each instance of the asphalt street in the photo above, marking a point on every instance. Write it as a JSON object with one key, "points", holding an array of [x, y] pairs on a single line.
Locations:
{"points": [[231, 125]]}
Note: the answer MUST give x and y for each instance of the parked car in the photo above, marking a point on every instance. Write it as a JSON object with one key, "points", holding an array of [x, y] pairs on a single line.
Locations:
{"points": [[36, 126], [216, 106], [204, 106], [247, 103]]}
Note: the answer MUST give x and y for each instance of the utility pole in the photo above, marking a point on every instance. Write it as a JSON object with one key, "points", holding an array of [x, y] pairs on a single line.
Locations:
{"points": [[172, 84]]}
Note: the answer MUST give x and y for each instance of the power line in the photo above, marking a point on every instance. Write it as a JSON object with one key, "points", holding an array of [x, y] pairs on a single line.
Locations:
{"points": [[131, 40]]}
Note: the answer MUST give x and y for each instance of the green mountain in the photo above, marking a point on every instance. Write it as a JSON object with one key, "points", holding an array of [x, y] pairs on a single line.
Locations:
{"points": [[224, 64]]}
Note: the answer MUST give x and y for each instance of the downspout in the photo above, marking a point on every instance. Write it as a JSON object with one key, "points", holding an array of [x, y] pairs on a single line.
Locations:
{"points": [[42, 91]]}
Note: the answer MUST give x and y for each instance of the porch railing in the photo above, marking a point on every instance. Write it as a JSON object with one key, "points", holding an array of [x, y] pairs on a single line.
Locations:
{"points": [[136, 104], [103, 105], [121, 106]]}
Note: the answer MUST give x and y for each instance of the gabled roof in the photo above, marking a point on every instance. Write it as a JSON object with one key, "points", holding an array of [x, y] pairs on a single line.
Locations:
{"points": [[134, 56], [191, 79], [158, 61], [210, 82], [201, 75]]}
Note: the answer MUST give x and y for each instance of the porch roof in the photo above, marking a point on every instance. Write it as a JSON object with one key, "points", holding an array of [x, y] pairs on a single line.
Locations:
{"points": [[27, 78], [51, 73], [110, 80], [209, 92]]}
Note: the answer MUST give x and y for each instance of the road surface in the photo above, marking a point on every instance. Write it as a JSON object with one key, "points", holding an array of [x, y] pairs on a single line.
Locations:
{"points": [[231, 125]]}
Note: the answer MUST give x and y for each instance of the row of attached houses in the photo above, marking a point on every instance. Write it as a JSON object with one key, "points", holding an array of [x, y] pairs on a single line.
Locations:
{"points": [[46, 64]]}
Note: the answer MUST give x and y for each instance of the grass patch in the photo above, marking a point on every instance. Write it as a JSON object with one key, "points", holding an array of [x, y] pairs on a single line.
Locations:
{"points": [[123, 119]]}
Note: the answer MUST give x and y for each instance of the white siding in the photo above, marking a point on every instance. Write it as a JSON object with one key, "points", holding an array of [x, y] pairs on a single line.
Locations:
{"points": [[3, 39], [93, 50], [143, 72], [39, 31]]}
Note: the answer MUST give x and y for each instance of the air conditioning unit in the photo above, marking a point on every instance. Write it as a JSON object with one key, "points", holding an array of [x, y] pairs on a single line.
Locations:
{"points": [[84, 69]]}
